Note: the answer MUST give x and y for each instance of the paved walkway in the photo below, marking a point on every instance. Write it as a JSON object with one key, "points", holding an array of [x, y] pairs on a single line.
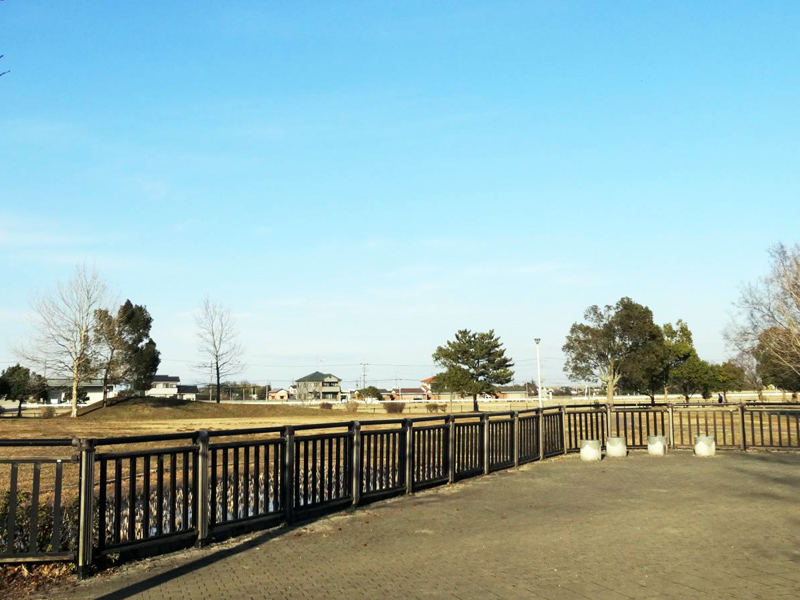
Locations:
{"points": [[641, 527]]}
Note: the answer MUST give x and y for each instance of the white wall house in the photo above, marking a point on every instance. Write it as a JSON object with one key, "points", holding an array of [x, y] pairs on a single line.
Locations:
{"points": [[59, 390], [164, 386], [169, 386]]}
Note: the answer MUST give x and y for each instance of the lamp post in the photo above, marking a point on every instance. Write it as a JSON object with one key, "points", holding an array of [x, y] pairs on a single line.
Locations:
{"points": [[538, 372]]}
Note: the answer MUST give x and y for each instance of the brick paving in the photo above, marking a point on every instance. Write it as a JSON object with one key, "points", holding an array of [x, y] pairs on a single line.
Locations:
{"points": [[640, 527]]}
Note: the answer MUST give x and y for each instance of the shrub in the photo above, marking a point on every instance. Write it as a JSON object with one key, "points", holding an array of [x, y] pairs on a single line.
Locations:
{"points": [[48, 412], [394, 407], [351, 406], [325, 405], [44, 534]]}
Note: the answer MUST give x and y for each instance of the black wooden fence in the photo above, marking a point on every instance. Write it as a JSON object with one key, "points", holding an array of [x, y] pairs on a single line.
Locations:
{"points": [[156, 492]]}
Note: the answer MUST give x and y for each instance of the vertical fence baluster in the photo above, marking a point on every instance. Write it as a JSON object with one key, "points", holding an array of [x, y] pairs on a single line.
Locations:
{"points": [[246, 482], [56, 540], [185, 504], [101, 501], [257, 477], [160, 495], [146, 497], [213, 486], [11, 518], [226, 480], [34, 517], [338, 468], [132, 499], [330, 468], [117, 500], [235, 510]]}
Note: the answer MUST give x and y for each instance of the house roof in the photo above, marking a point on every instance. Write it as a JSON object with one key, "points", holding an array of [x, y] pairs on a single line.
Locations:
{"points": [[410, 391], [513, 388], [58, 382], [162, 378], [187, 389], [317, 376], [276, 390]]}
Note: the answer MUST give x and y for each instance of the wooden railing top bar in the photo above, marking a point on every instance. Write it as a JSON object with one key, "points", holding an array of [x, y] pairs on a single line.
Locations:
{"points": [[142, 439], [148, 452], [37, 442], [250, 431]]}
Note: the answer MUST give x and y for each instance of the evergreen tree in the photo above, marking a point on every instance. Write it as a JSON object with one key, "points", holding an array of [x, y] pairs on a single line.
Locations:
{"points": [[474, 364]]}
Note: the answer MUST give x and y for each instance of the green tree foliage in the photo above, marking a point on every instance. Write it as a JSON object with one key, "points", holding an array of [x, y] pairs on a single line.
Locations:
{"points": [[727, 377], [680, 346], [129, 353], [370, 392], [474, 364], [645, 371], [20, 383], [600, 348], [692, 376]]}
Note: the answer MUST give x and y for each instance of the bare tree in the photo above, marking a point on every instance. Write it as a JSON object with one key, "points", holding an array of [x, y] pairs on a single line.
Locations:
{"points": [[218, 342], [64, 320], [749, 365], [768, 323]]}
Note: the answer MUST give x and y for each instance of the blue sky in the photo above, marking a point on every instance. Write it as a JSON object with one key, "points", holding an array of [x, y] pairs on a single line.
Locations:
{"points": [[359, 180]]}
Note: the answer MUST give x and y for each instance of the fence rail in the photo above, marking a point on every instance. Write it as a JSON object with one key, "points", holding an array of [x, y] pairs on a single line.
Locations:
{"points": [[185, 488]]}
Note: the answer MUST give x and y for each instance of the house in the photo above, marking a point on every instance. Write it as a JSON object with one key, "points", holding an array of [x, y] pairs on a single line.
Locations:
{"points": [[426, 385], [409, 394], [319, 386], [59, 390], [164, 386], [516, 392], [279, 395], [187, 392]]}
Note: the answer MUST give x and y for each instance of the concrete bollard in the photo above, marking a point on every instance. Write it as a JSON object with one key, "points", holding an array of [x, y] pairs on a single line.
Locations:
{"points": [[616, 447], [590, 450], [705, 445], [657, 445]]}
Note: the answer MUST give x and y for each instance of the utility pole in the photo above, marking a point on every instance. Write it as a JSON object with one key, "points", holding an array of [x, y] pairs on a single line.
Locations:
{"points": [[539, 372], [363, 375]]}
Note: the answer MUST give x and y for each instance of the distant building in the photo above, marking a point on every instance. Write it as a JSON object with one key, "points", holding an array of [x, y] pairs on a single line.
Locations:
{"points": [[164, 386], [409, 394], [187, 392], [516, 392], [280, 395], [168, 386], [319, 386], [59, 390]]}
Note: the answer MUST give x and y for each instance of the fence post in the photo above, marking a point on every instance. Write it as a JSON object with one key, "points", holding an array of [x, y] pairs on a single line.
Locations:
{"points": [[203, 487], [485, 420], [358, 466], [608, 420], [742, 428], [451, 448], [86, 449], [541, 434], [671, 425], [564, 428], [515, 434], [408, 435], [288, 474]]}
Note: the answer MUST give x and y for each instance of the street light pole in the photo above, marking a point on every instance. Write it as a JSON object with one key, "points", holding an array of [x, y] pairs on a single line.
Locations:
{"points": [[539, 372]]}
